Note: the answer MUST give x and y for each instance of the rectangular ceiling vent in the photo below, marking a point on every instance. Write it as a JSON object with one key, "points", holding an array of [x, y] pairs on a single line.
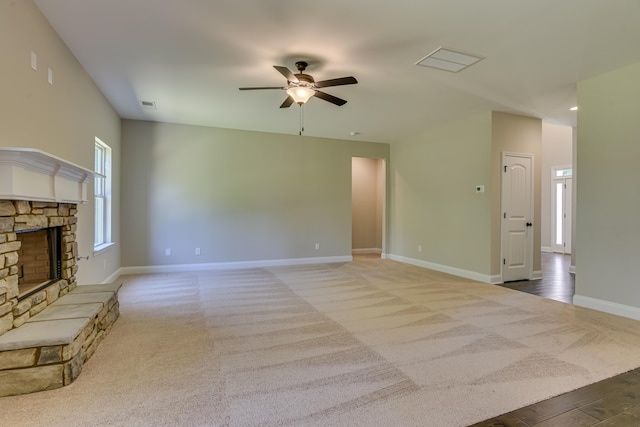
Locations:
{"points": [[148, 105], [449, 60]]}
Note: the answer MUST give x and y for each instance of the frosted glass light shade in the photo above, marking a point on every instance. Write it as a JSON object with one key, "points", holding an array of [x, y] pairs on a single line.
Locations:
{"points": [[301, 94]]}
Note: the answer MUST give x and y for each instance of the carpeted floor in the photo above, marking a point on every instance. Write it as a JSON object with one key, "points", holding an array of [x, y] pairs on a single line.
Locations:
{"points": [[368, 343]]}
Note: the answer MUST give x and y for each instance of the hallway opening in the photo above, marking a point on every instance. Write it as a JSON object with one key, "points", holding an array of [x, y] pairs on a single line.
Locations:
{"points": [[556, 283]]}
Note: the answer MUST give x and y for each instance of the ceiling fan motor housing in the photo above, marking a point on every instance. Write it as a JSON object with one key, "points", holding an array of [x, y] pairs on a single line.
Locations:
{"points": [[305, 79]]}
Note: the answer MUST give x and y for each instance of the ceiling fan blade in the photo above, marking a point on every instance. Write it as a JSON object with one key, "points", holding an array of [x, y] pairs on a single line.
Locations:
{"points": [[332, 99], [287, 102], [261, 88], [337, 82], [286, 73]]}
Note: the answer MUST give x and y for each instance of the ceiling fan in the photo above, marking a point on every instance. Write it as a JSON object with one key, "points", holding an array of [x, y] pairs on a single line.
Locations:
{"points": [[300, 87]]}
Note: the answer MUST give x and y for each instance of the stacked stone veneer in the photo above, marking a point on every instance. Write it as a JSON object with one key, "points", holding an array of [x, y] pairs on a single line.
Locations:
{"points": [[19, 215], [50, 349]]}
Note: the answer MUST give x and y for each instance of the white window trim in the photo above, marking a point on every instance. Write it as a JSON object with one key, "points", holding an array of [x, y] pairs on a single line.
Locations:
{"points": [[104, 172], [97, 250]]}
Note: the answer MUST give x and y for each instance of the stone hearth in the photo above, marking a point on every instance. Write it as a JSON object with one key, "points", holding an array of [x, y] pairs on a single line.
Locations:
{"points": [[49, 350]]}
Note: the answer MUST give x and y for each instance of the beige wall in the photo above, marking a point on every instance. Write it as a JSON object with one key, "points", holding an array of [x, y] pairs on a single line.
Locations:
{"points": [[367, 201], [237, 195], [434, 204], [557, 150], [62, 119], [608, 199]]}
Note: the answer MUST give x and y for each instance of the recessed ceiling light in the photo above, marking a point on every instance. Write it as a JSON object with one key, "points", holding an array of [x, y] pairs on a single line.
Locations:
{"points": [[449, 60], [574, 108], [354, 133]]}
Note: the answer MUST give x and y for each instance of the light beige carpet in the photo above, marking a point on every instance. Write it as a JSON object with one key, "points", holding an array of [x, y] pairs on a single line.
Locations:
{"points": [[368, 343]]}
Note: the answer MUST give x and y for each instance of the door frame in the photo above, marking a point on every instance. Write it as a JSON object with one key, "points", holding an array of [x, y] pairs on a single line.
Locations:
{"points": [[531, 229], [383, 203], [567, 231]]}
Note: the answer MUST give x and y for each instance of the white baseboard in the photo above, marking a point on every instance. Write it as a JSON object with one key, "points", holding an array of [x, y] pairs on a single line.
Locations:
{"points": [[112, 277], [176, 268], [496, 279], [447, 269], [546, 249], [366, 251], [607, 306], [536, 275]]}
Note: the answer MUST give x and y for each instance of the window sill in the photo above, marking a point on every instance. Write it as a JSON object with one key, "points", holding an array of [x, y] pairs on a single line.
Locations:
{"points": [[97, 250]]}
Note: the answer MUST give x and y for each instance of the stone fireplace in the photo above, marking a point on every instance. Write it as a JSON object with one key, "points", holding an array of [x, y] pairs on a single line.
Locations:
{"points": [[49, 325], [39, 194], [30, 279]]}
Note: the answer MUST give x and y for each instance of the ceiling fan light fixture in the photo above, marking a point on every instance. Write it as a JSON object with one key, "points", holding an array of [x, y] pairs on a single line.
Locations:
{"points": [[300, 94], [300, 87]]}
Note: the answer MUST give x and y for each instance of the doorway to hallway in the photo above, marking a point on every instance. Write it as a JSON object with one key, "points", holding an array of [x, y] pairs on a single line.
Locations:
{"points": [[368, 178], [556, 283]]}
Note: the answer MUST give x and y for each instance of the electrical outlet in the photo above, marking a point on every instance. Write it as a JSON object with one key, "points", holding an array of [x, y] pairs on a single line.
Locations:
{"points": [[197, 251], [34, 61], [317, 246], [167, 251], [50, 76], [420, 248]]}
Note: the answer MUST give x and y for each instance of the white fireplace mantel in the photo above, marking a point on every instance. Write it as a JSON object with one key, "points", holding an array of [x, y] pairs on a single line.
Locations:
{"points": [[32, 174]]}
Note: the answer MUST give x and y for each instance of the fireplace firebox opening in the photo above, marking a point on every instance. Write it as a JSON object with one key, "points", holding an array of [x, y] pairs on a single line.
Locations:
{"points": [[39, 259]]}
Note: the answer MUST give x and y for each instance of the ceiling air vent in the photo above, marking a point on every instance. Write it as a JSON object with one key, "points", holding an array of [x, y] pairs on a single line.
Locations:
{"points": [[449, 60], [148, 105]]}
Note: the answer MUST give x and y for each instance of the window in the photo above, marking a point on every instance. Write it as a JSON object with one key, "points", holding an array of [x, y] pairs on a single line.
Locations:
{"points": [[564, 172], [102, 194], [559, 213]]}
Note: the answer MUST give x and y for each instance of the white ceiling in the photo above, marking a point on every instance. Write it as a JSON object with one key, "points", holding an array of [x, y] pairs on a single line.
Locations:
{"points": [[191, 56]]}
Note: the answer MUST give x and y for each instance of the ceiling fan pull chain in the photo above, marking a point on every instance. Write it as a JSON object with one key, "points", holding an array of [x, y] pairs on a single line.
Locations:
{"points": [[301, 120]]}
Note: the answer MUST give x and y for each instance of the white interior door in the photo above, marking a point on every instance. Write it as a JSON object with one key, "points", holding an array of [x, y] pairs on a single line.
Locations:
{"points": [[517, 216]]}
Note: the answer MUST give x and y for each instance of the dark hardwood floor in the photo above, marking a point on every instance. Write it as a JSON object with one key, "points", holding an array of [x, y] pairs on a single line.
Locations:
{"points": [[556, 283], [608, 403], [612, 402]]}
